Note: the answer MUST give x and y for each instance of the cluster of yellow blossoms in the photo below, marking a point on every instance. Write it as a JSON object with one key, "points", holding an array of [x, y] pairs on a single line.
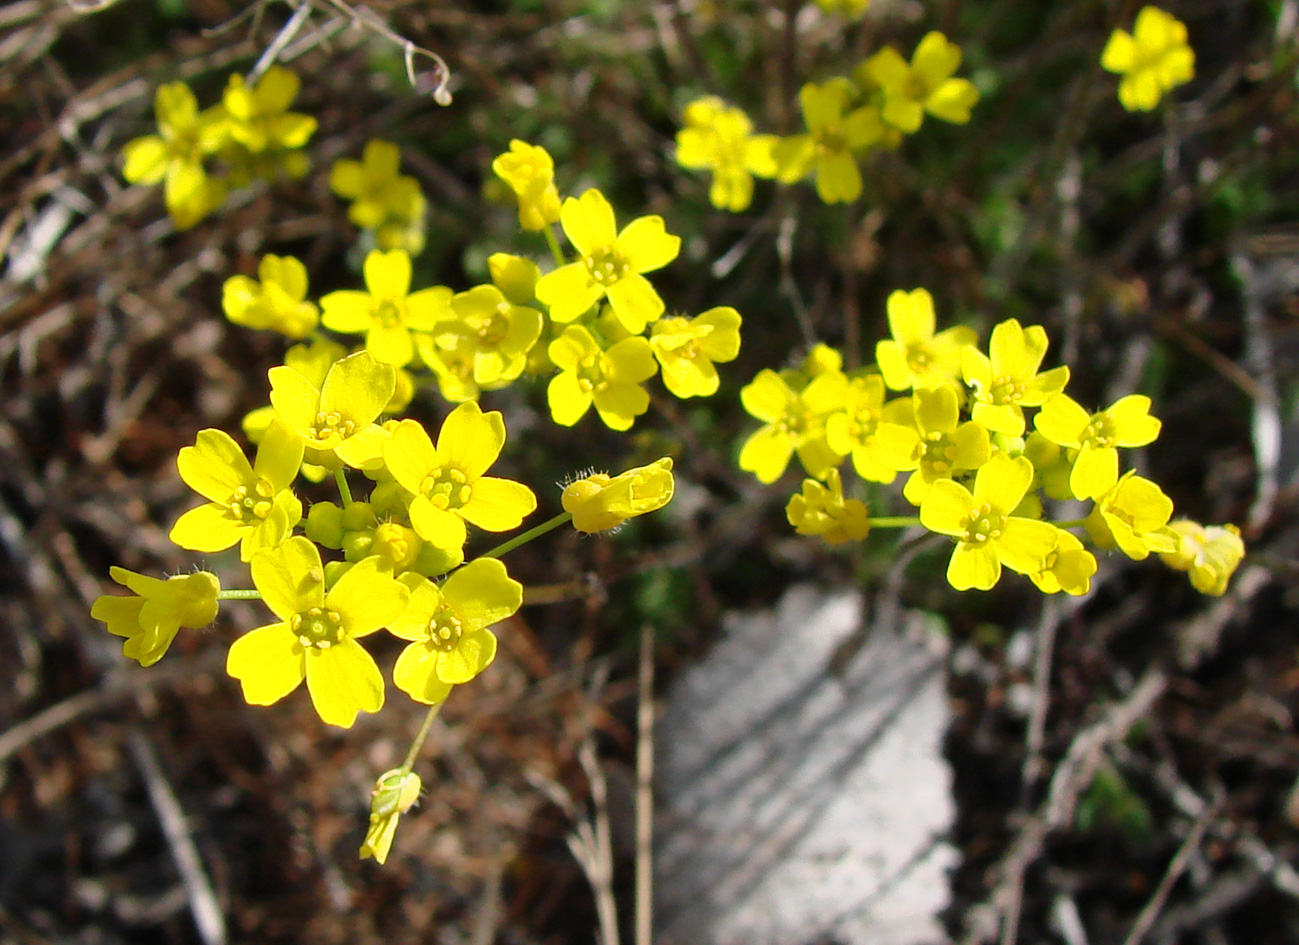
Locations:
{"points": [[395, 558], [199, 156], [386, 549], [975, 468], [595, 323], [886, 99], [336, 573]]}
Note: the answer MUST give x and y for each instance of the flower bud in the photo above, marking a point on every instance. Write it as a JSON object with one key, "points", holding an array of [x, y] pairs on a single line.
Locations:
{"points": [[324, 525], [600, 502], [1210, 554], [394, 793]]}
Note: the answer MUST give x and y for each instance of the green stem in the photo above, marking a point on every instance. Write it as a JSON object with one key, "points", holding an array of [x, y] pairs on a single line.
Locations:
{"points": [[894, 521], [418, 743], [239, 595], [554, 246], [527, 536], [1071, 523], [344, 489]]}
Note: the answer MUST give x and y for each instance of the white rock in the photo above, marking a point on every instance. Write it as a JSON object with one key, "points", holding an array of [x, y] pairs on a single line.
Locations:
{"points": [[803, 795]]}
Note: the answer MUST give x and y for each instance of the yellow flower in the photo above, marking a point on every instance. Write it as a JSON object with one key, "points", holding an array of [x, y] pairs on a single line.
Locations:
{"points": [[259, 134], [316, 637], [599, 502], [276, 303], [822, 510], [1096, 436], [1210, 553], [832, 141], [529, 171], [175, 155], [453, 367], [447, 482], [987, 534], [395, 792], [388, 312], [1153, 59], [720, 138], [907, 91], [1133, 516], [866, 429], [492, 331], [589, 375], [1069, 567], [612, 266], [448, 628], [335, 418], [1007, 381], [795, 422], [384, 201], [946, 446], [915, 356], [252, 505], [150, 619], [687, 348]]}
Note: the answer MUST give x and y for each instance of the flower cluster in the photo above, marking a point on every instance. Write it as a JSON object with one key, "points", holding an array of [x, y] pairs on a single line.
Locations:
{"points": [[886, 98], [199, 156], [395, 559], [979, 468], [595, 323], [386, 550]]}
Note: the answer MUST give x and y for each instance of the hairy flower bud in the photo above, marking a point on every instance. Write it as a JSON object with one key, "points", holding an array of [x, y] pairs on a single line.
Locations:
{"points": [[600, 502]]}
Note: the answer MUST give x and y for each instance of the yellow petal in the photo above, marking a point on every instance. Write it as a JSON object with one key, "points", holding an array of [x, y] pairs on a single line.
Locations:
{"points": [[415, 674], [290, 577], [387, 275], [343, 681], [471, 440], [473, 654], [268, 662], [214, 466], [588, 222], [568, 399], [946, 507], [646, 244], [498, 505], [367, 597], [973, 566], [208, 528]]}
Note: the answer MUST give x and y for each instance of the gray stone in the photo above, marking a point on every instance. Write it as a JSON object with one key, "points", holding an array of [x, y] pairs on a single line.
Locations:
{"points": [[802, 792]]}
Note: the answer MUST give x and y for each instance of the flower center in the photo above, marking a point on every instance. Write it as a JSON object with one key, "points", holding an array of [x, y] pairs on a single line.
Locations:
{"points": [[444, 629], [919, 359], [590, 373], [863, 425], [830, 140], [388, 314], [606, 266], [331, 424], [983, 524], [494, 329], [448, 488], [250, 506], [794, 424], [1100, 432], [1006, 390], [318, 628], [939, 453]]}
